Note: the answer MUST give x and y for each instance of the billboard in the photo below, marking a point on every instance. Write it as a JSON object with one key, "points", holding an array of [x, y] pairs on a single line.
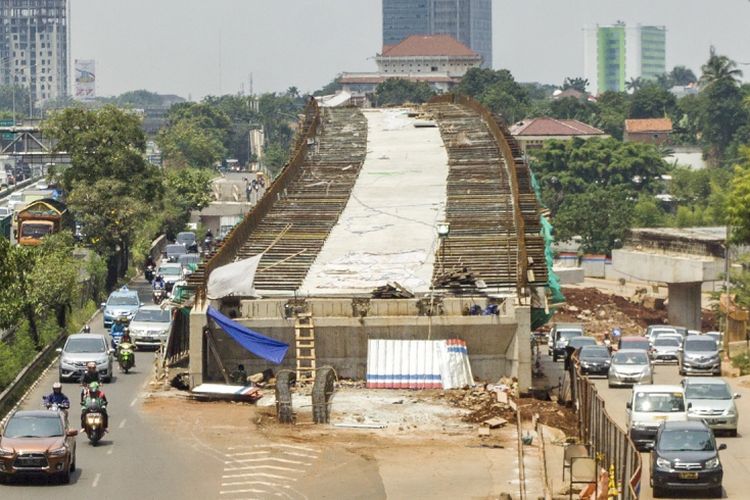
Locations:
{"points": [[85, 79]]}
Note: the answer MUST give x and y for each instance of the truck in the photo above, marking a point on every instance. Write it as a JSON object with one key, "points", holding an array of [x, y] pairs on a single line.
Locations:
{"points": [[5, 223], [40, 218]]}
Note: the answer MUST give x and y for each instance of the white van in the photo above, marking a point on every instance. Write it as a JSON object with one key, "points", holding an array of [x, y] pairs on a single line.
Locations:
{"points": [[649, 406]]}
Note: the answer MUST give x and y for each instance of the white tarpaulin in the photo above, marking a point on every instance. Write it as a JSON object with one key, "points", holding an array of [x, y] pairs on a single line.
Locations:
{"points": [[234, 280]]}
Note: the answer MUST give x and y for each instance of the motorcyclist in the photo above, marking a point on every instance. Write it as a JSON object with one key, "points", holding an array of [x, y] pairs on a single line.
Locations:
{"points": [[57, 397], [86, 329], [126, 344], [149, 267], [90, 375], [118, 328], [158, 283], [95, 397]]}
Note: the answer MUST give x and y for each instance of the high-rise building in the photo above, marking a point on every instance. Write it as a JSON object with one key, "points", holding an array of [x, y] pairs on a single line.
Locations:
{"points": [[615, 54], [34, 47], [469, 21]]}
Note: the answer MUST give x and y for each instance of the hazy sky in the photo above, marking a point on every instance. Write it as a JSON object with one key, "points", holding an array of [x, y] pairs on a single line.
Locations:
{"points": [[174, 46]]}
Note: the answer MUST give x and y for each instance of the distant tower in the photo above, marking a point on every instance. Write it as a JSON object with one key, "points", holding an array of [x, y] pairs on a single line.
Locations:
{"points": [[468, 21], [615, 54], [34, 47]]}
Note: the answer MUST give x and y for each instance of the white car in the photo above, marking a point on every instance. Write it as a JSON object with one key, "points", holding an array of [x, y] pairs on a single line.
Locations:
{"points": [[650, 405], [150, 326], [172, 273]]}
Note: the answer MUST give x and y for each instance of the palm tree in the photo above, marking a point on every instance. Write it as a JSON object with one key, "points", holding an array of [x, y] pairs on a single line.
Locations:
{"points": [[634, 84], [719, 69]]}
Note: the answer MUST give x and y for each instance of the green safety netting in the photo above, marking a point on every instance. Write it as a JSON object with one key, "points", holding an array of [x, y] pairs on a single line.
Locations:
{"points": [[540, 316]]}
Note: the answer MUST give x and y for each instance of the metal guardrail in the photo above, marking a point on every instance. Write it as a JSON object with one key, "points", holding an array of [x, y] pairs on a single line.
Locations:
{"points": [[15, 391], [510, 163], [610, 444], [240, 233], [7, 192]]}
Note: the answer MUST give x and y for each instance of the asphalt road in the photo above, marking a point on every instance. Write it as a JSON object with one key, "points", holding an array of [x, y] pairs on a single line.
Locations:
{"points": [[133, 460], [735, 459]]}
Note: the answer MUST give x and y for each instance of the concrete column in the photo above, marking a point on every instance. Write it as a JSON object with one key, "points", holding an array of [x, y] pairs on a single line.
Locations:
{"points": [[519, 350], [684, 307], [197, 322]]}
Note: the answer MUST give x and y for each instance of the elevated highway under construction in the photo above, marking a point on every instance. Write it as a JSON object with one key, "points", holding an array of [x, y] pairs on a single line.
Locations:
{"points": [[414, 223]]}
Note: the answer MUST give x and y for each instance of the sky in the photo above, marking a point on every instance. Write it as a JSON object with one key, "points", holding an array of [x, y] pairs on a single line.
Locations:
{"points": [[194, 48]]}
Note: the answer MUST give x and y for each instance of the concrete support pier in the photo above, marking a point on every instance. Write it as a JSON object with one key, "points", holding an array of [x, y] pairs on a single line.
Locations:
{"points": [[684, 306]]}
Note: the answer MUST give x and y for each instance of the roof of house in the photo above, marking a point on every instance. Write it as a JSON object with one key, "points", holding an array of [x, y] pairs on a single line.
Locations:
{"points": [[648, 125], [429, 45], [553, 127]]}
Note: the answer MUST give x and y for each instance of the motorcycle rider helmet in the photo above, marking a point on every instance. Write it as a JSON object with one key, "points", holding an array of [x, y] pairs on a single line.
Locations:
{"points": [[57, 387], [122, 319], [94, 387]]}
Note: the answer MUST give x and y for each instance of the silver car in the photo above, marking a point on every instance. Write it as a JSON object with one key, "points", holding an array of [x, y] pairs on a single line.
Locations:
{"points": [[150, 326], [629, 367], [666, 348], [81, 348], [711, 399]]}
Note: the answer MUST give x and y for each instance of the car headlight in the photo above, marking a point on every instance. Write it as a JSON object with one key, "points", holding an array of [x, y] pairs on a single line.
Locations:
{"points": [[713, 463], [730, 412], [103, 361], [663, 463], [4, 452], [59, 452]]}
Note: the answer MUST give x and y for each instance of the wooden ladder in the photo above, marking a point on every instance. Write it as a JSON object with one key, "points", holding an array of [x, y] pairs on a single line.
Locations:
{"points": [[304, 335]]}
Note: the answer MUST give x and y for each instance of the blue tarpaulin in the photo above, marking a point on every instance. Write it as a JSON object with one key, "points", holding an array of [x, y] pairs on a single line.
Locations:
{"points": [[260, 345]]}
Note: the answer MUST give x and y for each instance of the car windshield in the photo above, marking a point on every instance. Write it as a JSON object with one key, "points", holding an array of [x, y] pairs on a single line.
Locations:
{"points": [[568, 334], [659, 402], [700, 345], [170, 271], [594, 352], [656, 333], [35, 230], [190, 259], [635, 344], [175, 249], [667, 342], [707, 391], [152, 316], [85, 345], [123, 300], [630, 358], [33, 427], [686, 440], [186, 237]]}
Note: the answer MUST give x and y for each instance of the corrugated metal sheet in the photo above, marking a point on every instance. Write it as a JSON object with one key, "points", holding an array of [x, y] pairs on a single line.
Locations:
{"points": [[417, 364]]}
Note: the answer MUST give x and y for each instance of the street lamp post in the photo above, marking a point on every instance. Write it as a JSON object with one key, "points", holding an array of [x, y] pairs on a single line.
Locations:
{"points": [[443, 229]]}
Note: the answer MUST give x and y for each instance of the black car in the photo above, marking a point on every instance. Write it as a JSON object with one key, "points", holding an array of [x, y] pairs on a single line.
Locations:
{"points": [[594, 360], [685, 457]]}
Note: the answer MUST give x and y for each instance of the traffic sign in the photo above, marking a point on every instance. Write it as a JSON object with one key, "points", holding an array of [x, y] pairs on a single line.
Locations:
{"points": [[7, 136]]}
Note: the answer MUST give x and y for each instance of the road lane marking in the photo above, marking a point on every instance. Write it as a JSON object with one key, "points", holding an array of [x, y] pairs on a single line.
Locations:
{"points": [[96, 480], [264, 483], [122, 424], [295, 454], [258, 474], [264, 459], [272, 467], [109, 451], [132, 403], [304, 448], [234, 492], [242, 454]]}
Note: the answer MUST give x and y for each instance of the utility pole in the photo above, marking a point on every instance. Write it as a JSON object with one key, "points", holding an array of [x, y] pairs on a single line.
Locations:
{"points": [[727, 284]]}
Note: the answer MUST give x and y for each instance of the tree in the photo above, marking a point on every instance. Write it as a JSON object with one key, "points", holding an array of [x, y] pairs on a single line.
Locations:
{"points": [[572, 108], [738, 201], [612, 110], [103, 144], [399, 91], [576, 83], [719, 68], [599, 215], [330, 88], [497, 90], [37, 282], [634, 84], [652, 101], [14, 97], [648, 213], [185, 143], [682, 76]]}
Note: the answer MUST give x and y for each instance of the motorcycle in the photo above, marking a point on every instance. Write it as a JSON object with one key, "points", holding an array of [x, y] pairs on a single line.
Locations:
{"points": [[46, 404], [93, 421], [149, 273], [159, 294], [126, 358]]}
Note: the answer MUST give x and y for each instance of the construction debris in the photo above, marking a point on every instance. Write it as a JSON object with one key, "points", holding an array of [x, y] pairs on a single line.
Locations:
{"points": [[460, 282], [391, 291]]}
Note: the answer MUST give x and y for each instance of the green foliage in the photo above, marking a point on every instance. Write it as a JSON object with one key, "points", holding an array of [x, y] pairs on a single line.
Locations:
{"points": [[652, 101], [738, 201], [572, 108], [599, 215], [576, 83], [396, 91], [567, 168], [742, 361], [10, 94], [103, 144], [330, 88], [142, 99], [186, 143], [648, 213], [498, 91], [682, 76], [612, 110], [275, 158]]}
